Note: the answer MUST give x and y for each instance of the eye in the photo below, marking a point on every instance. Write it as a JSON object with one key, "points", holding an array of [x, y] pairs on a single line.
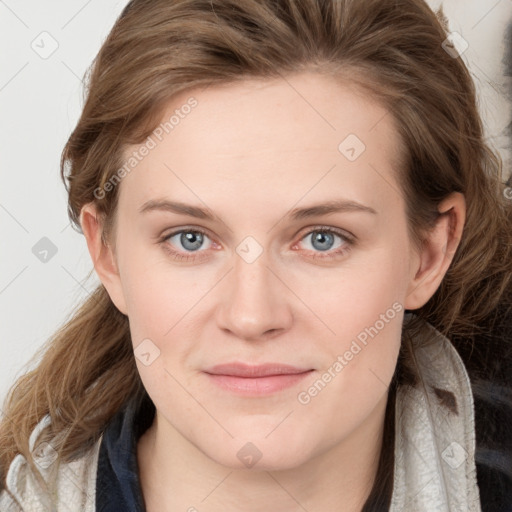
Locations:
{"points": [[191, 240], [322, 239]]}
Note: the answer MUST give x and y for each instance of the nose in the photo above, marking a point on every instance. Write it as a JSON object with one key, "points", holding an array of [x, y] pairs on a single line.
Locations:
{"points": [[255, 301]]}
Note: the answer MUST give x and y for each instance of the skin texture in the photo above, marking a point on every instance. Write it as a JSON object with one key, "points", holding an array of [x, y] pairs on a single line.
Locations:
{"points": [[251, 152]]}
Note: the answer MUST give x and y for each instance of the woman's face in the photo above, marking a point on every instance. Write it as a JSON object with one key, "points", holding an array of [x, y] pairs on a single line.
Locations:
{"points": [[266, 284]]}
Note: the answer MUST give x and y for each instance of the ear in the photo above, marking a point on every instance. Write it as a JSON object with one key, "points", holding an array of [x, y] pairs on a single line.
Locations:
{"points": [[437, 251], [102, 255]]}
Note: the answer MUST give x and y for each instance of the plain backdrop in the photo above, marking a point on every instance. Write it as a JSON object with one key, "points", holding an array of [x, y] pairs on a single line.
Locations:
{"points": [[46, 49]]}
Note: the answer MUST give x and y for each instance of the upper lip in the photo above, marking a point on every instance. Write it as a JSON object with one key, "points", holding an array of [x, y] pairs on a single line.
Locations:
{"points": [[262, 370]]}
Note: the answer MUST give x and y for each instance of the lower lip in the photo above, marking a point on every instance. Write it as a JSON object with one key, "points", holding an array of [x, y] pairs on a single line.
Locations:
{"points": [[257, 386]]}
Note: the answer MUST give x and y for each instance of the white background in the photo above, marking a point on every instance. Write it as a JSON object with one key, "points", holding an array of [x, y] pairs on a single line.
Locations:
{"points": [[40, 101]]}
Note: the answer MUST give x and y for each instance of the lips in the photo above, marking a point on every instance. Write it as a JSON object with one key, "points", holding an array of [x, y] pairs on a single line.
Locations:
{"points": [[256, 380], [254, 371]]}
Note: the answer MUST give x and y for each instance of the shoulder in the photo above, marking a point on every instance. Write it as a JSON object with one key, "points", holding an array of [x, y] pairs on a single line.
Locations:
{"points": [[75, 480]]}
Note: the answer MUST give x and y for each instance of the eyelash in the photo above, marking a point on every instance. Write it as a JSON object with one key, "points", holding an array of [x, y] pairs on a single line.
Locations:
{"points": [[349, 241]]}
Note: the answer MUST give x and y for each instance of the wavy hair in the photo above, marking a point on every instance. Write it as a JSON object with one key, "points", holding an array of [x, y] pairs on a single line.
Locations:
{"points": [[390, 48]]}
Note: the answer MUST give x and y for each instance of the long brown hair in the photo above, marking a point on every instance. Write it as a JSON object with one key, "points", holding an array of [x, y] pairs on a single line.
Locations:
{"points": [[392, 49]]}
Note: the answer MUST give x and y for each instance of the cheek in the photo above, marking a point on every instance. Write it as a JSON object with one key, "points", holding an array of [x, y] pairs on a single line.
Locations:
{"points": [[364, 314], [161, 306], [358, 372], [352, 297], [155, 293]]}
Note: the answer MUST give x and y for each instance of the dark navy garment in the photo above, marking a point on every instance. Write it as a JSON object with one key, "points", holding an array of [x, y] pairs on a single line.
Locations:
{"points": [[117, 481]]}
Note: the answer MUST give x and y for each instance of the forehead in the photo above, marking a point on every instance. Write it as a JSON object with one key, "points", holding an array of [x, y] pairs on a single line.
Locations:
{"points": [[302, 110], [281, 134]]}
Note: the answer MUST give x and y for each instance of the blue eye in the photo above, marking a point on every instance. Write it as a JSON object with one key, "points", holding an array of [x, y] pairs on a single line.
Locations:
{"points": [[322, 240], [190, 240]]}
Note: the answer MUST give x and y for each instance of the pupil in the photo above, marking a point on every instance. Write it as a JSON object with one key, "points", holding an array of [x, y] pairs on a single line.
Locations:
{"points": [[190, 236], [321, 237]]}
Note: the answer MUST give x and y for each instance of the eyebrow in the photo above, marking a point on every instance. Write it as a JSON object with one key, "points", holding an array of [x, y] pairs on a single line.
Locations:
{"points": [[334, 206]]}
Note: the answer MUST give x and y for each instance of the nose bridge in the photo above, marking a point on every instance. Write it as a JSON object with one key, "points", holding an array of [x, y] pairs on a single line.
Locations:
{"points": [[252, 281], [250, 272], [253, 304]]}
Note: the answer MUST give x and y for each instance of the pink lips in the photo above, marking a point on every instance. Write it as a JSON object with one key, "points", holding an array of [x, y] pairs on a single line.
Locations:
{"points": [[255, 380]]}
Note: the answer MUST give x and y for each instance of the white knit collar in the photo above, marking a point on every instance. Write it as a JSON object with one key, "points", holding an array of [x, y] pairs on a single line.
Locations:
{"points": [[434, 447]]}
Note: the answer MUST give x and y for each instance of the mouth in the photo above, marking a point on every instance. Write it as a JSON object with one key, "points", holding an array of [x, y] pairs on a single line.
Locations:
{"points": [[256, 380]]}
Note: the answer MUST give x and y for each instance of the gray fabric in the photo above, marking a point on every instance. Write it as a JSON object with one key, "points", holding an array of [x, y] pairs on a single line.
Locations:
{"points": [[435, 448], [76, 481]]}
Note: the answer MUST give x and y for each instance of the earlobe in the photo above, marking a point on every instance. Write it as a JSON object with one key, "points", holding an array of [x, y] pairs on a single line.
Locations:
{"points": [[102, 255], [437, 251]]}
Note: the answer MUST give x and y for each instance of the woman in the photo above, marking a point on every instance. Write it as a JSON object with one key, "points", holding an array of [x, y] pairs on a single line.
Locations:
{"points": [[257, 368]]}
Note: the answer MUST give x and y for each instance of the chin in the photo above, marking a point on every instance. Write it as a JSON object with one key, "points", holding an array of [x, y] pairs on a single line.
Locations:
{"points": [[259, 453]]}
